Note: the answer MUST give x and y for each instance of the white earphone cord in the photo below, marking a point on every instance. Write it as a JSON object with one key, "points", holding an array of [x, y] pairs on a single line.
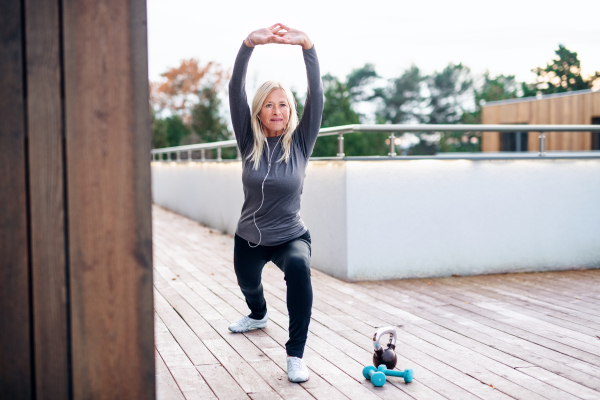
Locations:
{"points": [[269, 158]]}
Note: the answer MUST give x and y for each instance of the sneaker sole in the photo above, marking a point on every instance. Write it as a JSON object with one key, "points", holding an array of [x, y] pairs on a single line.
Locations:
{"points": [[249, 329], [299, 381]]}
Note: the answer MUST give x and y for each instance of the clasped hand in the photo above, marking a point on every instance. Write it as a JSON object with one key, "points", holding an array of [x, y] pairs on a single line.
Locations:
{"points": [[281, 34]]}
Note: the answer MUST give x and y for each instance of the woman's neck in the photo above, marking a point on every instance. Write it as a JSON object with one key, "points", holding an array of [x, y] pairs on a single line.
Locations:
{"points": [[270, 133]]}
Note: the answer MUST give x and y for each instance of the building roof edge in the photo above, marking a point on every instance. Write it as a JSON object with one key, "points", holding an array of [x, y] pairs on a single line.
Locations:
{"points": [[538, 97]]}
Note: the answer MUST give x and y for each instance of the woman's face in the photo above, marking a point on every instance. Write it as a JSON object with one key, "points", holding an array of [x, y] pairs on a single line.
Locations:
{"points": [[275, 113]]}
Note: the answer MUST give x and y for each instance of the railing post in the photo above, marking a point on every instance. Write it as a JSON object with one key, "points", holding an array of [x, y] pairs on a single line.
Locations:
{"points": [[178, 156], [203, 155], [392, 152], [341, 145], [189, 156], [219, 154], [542, 152], [238, 156]]}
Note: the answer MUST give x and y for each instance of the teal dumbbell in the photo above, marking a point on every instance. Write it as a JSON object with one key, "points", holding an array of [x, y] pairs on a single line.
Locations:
{"points": [[407, 374], [371, 373]]}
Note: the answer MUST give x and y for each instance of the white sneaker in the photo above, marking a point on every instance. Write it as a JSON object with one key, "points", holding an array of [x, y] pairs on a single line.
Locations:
{"points": [[245, 324], [296, 369]]}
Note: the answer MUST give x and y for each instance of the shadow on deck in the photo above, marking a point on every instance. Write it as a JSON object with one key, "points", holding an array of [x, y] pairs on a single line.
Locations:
{"points": [[521, 336]]}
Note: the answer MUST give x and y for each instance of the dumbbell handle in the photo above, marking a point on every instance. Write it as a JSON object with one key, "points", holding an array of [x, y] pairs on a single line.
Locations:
{"points": [[407, 374], [391, 372]]}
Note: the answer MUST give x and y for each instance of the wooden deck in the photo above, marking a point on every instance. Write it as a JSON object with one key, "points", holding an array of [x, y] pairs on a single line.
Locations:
{"points": [[516, 336]]}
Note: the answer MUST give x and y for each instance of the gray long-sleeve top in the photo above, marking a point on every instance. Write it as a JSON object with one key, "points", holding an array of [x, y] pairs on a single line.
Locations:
{"points": [[279, 217]]}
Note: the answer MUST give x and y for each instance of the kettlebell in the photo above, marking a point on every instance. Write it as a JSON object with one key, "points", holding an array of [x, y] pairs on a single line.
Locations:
{"points": [[386, 357]]}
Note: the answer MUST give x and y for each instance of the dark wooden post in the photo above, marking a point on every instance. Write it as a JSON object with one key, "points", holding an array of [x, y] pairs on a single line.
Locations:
{"points": [[109, 201], [15, 331], [76, 311], [47, 204]]}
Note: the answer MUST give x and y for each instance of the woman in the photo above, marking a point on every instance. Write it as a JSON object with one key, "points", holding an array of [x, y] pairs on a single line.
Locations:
{"points": [[275, 149]]}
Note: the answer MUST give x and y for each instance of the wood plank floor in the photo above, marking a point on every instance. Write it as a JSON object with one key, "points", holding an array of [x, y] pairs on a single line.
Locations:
{"points": [[513, 336]]}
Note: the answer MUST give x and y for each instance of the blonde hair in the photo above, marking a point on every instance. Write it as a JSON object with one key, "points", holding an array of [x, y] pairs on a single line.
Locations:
{"points": [[259, 137]]}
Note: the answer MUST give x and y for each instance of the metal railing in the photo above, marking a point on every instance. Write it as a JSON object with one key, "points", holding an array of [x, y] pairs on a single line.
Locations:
{"points": [[202, 147], [392, 129]]}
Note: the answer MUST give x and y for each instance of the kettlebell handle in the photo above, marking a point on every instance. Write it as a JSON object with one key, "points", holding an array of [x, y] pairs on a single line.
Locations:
{"points": [[382, 331]]}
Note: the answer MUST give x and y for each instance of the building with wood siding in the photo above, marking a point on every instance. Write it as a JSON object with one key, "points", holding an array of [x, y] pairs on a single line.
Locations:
{"points": [[580, 107]]}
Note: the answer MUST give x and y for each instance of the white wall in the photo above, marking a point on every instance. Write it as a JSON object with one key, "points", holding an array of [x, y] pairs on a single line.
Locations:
{"points": [[324, 212], [427, 218], [419, 218], [209, 192]]}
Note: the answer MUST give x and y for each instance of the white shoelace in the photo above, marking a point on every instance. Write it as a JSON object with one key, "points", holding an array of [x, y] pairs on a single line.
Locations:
{"points": [[296, 363]]}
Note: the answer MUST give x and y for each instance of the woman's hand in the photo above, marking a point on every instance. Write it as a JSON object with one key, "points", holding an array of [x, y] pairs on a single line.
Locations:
{"points": [[264, 36], [281, 34], [294, 37]]}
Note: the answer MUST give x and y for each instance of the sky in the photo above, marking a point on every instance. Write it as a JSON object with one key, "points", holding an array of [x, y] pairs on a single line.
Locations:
{"points": [[509, 37]]}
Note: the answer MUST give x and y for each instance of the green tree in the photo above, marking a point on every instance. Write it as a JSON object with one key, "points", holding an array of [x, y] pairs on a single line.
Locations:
{"points": [[448, 91], [360, 84], [178, 88], [207, 123], [168, 132], [399, 101], [562, 74], [338, 111], [175, 130], [159, 131], [402, 101], [299, 104], [189, 95], [358, 80], [401, 98], [500, 87]]}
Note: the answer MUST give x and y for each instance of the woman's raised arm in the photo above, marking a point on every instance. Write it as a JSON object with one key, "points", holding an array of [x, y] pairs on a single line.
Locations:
{"points": [[238, 104]]}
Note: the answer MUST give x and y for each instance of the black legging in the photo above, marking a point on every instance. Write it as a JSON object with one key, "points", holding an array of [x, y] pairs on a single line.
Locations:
{"points": [[293, 258]]}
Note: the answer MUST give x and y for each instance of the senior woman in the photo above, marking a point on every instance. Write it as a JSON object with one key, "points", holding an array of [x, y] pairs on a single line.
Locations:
{"points": [[275, 149]]}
